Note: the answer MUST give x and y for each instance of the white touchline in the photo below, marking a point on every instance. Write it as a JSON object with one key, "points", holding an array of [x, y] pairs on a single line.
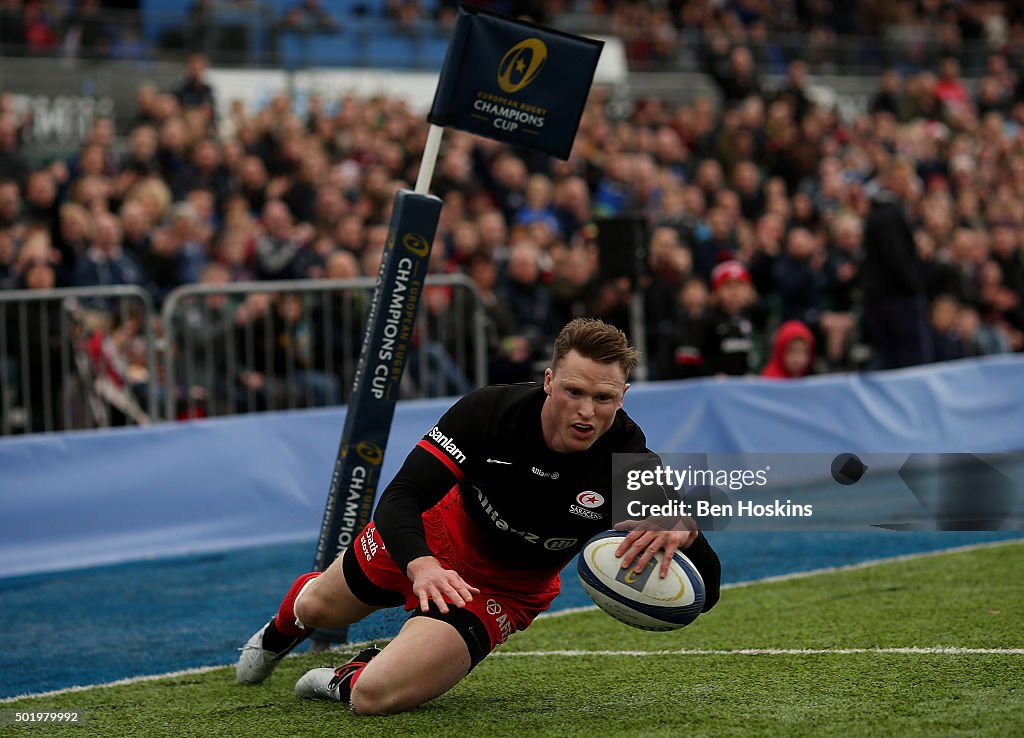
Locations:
{"points": [[149, 677], [912, 650], [947, 650], [118, 683]]}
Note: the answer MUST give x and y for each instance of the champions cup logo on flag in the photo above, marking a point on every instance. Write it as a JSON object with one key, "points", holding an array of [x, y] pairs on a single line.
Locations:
{"points": [[515, 82]]}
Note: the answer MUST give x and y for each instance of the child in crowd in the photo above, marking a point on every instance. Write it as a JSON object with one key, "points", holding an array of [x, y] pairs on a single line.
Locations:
{"points": [[792, 352], [730, 342]]}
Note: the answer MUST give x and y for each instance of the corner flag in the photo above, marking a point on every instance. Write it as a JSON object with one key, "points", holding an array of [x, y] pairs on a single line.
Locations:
{"points": [[502, 79], [515, 82]]}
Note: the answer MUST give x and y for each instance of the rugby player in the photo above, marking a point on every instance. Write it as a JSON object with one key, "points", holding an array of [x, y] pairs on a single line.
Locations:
{"points": [[474, 529]]}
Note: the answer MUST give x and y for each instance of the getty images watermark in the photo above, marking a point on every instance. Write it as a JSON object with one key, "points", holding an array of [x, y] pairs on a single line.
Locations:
{"points": [[835, 492]]}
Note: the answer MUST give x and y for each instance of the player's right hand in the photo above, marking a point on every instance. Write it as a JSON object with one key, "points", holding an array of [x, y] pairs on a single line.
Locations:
{"points": [[432, 582]]}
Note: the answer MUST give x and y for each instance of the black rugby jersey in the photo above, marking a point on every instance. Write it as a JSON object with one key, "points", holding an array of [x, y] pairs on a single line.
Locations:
{"points": [[536, 508]]}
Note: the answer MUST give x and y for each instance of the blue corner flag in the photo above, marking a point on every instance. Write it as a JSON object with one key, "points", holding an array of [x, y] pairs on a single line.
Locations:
{"points": [[515, 82]]}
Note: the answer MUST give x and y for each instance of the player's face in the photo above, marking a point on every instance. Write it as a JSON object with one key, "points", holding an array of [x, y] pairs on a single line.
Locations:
{"points": [[584, 396]]}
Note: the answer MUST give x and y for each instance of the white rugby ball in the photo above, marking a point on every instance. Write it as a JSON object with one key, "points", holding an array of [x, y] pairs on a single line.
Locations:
{"points": [[644, 600]]}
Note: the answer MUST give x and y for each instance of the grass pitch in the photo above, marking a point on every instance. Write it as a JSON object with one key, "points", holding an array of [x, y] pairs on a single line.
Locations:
{"points": [[865, 651]]}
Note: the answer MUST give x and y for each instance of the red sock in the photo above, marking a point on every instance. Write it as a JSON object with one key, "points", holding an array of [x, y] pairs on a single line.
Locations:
{"points": [[345, 688], [284, 621]]}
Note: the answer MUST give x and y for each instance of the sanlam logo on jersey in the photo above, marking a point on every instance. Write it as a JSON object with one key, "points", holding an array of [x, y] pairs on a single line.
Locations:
{"points": [[446, 444]]}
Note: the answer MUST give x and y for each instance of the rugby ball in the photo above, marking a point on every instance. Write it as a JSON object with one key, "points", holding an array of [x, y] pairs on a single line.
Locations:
{"points": [[644, 600]]}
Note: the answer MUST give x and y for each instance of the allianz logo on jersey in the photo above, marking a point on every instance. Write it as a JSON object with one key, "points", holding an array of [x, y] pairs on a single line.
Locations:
{"points": [[447, 444], [551, 544], [542, 473], [585, 505]]}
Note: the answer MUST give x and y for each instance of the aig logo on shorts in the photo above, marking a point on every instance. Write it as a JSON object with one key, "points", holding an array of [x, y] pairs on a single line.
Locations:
{"points": [[500, 619], [590, 499]]}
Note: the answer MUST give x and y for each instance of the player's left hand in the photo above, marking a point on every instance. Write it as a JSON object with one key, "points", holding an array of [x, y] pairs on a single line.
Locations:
{"points": [[645, 539]]}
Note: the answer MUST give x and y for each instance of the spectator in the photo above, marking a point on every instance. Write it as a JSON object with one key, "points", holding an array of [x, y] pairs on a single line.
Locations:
{"points": [[277, 248], [328, 210], [8, 261], [573, 284], [41, 208], [431, 366], [527, 297], [739, 78], [684, 334], [88, 33], [308, 16], [258, 353], [508, 183], [795, 90], [950, 89], [746, 182], [117, 350], [203, 362], [40, 36], [508, 352], [305, 385], [233, 253], [184, 231], [172, 154], [105, 262], [965, 260], [572, 205], [13, 164], [13, 41], [999, 306], [838, 322], [493, 234], [338, 320], [538, 206], [977, 338], [730, 345], [1006, 253], [136, 226], [76, 228], [253, 182], [10, 205], [715, 242], [612, 196], [792, 352], [669, 265], [41, 336], [140, 160], [894, 288], [945, 337], [207, 171], [194, 91], [799, 278]]}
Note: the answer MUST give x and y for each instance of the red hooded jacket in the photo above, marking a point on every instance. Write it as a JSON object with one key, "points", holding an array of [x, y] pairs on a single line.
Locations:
{"points": [[787, 333]]}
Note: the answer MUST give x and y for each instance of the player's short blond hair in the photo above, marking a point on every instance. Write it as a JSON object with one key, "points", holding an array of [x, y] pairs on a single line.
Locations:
{"points": [[594, 339]]}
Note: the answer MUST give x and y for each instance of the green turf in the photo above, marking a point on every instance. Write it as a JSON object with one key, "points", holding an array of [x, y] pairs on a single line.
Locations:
{"points": [[970, 599]]}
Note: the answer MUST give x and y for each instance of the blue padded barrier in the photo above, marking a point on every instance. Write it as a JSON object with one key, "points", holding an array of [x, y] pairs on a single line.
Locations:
{"points": [[82, 499]]}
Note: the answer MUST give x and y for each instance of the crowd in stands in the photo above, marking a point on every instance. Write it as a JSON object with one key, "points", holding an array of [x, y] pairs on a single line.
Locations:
{"points": [[831, 36], [898, 232]]}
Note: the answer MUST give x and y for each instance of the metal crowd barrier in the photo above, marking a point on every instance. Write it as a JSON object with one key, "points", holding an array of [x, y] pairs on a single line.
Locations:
{"points": [[76, 358], [255, 346]]}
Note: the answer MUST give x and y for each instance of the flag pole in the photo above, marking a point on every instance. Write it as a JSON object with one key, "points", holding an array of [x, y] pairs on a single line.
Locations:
{"points": [[429, 160]]}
